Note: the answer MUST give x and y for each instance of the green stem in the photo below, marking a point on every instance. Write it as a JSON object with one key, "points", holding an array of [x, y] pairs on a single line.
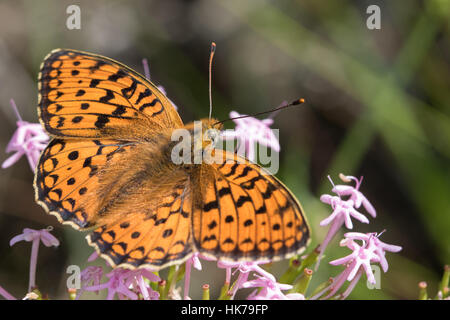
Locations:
{"points": [[310, 259], [322, 287], [301, 285], [162, 290], [181, 272], [423, 295], [296, 267], [224, 292], [170, 280], [152, 284], [445, 281], [205, 289], [72, 294], [291, 273]]}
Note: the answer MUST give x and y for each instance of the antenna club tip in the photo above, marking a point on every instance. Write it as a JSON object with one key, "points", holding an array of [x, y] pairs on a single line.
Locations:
{"points": [[213, 46], [298, 101]]}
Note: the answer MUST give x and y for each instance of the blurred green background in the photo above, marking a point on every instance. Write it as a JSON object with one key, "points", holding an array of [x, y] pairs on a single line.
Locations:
{"points": [[378, 105]]}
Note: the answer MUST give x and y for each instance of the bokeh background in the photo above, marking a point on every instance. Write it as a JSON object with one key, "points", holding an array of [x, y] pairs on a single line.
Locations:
{"points": [[378, 105]]}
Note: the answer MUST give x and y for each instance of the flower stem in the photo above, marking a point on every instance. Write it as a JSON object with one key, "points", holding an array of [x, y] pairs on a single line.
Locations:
{"points": [[423, 295], [187, 279], [321, 288], [33, 263], [162, 290], [152, 284], [443, 287], [291, 273], [205, 289], [6, 294], [181, 272], [224, 291], [296, 268], [170, 280], [310, 259], [301, 285], [72, 294]]}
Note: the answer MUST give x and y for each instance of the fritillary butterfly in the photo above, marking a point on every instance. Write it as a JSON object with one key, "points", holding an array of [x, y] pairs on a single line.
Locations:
{"points": [[108, 169]]}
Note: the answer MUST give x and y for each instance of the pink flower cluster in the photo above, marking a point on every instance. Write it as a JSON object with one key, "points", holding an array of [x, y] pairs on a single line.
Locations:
{"points": [[268, 287], [344, 205], [372, 249], [29, 140], [126, 284]]}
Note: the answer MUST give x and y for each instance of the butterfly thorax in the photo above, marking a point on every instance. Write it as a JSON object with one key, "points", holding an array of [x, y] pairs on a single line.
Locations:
{"points": [[193, 144], [156, 166]]}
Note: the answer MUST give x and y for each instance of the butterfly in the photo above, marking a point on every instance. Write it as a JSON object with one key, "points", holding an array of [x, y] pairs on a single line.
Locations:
{"points": [[108, 169]]}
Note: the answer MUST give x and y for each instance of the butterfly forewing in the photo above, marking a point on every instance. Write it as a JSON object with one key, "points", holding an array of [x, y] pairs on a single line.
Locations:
{"points": [[86, 95]]}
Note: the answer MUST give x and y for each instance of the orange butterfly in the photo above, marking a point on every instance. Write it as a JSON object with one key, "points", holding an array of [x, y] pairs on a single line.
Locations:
{"points": [[108, 168]]}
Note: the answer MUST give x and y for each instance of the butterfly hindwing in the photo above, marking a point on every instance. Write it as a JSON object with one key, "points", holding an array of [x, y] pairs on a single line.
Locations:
{"points": [[87, 95], [247, 214], [157, 239]]}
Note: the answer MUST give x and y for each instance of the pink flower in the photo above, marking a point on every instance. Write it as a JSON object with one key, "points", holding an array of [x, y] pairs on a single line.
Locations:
{"points": [[270, 290], [93, 257], [29, 139], [137, 281], [361, 256], [161, 88], [359, 261], [344, 209], [374, 243], [127, 284], [90, 276], [244, 269], [193, 260], [354, 194], [35, 236], [250, 131]]}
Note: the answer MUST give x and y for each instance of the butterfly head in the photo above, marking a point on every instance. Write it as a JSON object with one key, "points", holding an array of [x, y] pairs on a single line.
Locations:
{"points": [[211, 133]]}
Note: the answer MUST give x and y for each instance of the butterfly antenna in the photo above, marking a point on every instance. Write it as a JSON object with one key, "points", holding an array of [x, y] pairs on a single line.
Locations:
{"points": [[211, 56], [284, 106], [273, 114]]}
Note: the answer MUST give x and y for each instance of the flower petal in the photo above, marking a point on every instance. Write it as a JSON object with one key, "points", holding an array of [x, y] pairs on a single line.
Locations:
{"points": [[16, 239], [48, 239], [369, 208]]}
